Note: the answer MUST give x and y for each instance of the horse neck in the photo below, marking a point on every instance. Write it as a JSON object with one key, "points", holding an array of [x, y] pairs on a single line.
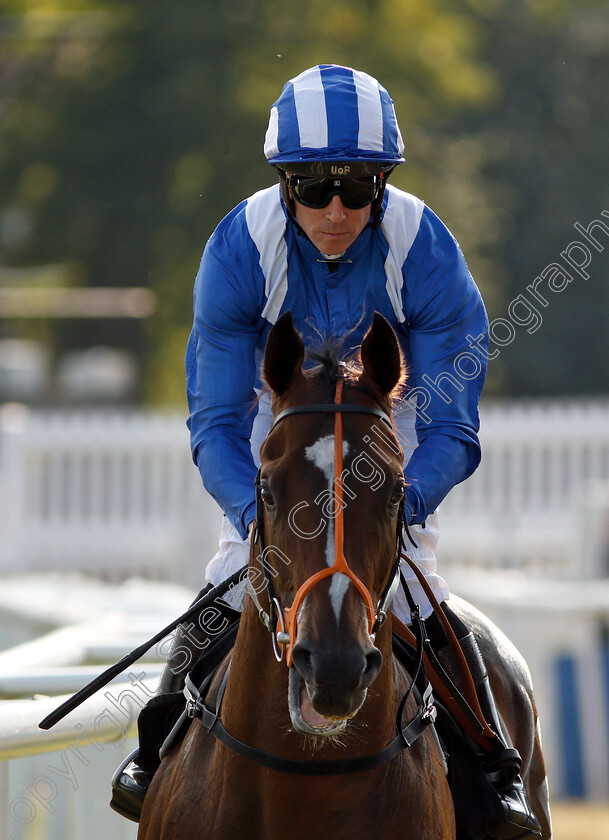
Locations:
{"points": [[256, 681]]}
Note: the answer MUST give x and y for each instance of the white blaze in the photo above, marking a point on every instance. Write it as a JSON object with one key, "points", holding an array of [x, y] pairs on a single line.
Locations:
{"points": [[321, 454]]}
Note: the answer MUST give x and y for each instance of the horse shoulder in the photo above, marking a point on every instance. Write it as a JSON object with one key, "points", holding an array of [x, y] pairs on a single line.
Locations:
{"points": [[186, 780]]}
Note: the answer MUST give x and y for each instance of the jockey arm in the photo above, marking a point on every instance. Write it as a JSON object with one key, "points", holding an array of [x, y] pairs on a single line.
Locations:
{"points": [[221, 375], [444, 312]]}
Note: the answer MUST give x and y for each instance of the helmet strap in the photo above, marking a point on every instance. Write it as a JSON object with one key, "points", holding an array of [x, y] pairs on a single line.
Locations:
{"points": [[285, 193], [377, 204]]}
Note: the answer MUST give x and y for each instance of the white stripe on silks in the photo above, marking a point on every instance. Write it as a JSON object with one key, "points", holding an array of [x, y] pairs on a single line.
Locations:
{"points": [[271, 144], [400, 139], [370, 112], [311, 114], [400, 226], [266, 225]]}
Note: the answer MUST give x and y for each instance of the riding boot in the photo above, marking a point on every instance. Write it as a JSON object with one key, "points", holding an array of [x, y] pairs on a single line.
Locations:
{"points": [[131, 780], [501, 765]]}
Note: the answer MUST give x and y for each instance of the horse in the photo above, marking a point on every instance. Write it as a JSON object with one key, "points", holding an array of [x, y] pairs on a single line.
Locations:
{"points": [[301, 717]]}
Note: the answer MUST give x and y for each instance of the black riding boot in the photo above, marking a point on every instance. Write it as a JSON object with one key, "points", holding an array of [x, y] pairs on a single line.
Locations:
{"points": [[502, 765], [131, 780]]}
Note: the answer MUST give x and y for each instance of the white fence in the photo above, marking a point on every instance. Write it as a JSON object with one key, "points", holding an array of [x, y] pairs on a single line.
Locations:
{"points": [[117, 493], [64, 794], [540, 498], [56, 783], [111, 493]]}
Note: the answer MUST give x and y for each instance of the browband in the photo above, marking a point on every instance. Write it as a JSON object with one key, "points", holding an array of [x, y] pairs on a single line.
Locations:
{"points": [[333, 408]]}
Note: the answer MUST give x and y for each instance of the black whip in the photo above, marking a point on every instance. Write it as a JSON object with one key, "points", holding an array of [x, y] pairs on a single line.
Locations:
{"points": [[103, 679]]}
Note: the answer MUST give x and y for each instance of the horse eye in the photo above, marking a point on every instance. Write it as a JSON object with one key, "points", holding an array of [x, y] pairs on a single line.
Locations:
{"points": [[397, 495], [266, 495]]}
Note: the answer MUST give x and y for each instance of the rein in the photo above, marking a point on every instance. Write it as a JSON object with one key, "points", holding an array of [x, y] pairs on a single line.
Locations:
{"points": [[406, 736], [280, 621]]}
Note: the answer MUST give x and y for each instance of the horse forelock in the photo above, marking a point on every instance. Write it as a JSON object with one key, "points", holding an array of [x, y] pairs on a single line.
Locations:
{"points": [[330, 365]]}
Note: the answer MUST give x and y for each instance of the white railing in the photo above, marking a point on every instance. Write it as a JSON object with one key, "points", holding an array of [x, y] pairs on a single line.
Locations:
{"points": [[56, 784], [539, 499], [116, 493]]}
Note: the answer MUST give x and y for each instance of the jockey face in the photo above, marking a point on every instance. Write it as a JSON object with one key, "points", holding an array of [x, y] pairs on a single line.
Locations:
{"points": [[333, 228]]}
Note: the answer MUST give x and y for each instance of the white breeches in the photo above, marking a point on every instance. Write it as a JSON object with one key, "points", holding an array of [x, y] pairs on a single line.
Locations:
{"points": [[233, 552]]}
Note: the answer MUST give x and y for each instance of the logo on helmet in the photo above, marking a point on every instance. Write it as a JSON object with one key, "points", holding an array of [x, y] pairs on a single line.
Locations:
{"points": [[340, 170]]}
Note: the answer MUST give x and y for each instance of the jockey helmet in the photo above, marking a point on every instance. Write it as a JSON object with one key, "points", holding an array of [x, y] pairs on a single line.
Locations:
{"points": [[334, 122], [331, 121]]}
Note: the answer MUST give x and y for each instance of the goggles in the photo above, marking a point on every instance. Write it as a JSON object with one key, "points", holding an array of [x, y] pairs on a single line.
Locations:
{"points": [[354, 193]]}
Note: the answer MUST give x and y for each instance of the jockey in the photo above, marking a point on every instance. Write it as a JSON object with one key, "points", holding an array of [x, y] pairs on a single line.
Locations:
{"points": [[333, 242]]}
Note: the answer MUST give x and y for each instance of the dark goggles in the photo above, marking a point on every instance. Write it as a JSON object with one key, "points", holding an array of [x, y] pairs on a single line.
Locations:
{"points": [[354, 193]]}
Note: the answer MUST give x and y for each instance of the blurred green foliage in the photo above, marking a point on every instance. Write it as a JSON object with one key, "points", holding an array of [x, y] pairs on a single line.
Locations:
{"points": [[129, 128]]}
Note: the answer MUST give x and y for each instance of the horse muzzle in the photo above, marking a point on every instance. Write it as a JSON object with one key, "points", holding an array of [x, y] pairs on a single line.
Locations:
{"points": [[329, 683]]}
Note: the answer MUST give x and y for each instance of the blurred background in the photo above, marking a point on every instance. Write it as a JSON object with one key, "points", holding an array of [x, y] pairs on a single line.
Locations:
{"points": [[127, 131]]}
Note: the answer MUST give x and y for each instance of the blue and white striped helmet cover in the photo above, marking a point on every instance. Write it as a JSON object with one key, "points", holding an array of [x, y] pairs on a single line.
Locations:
{"points": [[331, 112]]}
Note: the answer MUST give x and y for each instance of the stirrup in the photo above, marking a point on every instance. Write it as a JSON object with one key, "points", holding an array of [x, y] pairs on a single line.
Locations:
{"points": [[129, 786]]}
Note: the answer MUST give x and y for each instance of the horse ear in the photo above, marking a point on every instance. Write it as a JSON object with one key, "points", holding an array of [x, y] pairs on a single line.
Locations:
{"points": [[283, 355], [381, 355]]}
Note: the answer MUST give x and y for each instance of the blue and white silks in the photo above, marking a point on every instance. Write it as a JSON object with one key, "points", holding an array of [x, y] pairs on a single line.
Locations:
{"points": [[256, 266]]}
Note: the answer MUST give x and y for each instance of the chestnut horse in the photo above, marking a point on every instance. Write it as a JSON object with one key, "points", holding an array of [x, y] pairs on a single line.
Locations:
{"points": [[310, 750]]}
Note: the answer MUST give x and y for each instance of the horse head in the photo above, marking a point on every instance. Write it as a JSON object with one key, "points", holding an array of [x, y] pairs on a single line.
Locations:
{"points": [[330, 492]]}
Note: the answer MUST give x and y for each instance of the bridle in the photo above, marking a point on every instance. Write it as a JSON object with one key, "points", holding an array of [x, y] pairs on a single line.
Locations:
{"points": [[281, 622]]}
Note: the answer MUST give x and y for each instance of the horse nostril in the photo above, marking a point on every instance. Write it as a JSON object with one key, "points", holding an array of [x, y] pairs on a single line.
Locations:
{"points": [[302, 658], [374, 660]]}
